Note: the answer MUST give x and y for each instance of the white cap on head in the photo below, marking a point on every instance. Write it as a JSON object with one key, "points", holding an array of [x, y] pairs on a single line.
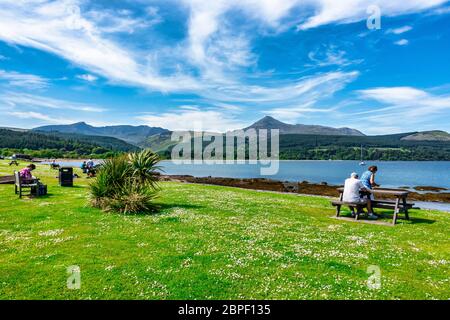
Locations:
{"points": [[354, 175]]}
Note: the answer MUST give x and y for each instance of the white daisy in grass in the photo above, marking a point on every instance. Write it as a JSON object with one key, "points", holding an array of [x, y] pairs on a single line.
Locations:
{"points": [[51, 233]]}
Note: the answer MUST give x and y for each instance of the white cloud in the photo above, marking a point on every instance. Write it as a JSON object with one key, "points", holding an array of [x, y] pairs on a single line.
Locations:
{"points": [[38, 116], [440, 11], [123, 21], [318, 88], [24, 100], [87, 77], [211, 120], [330, 56], [61, 28], [394, 94], [212, 62], [402, 42], [318, 85], [301, 96], [28, 81], [293, 113], [410, 106], [332, 11], [399, 30]]}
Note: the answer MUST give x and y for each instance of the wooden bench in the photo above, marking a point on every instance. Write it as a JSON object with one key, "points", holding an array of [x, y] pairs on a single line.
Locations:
{"points": [[352, 205], [399, 205], [54, 166], [7, 180], [19, 186]]}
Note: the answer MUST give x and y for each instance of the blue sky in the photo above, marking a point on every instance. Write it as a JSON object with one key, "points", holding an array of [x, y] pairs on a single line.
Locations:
{"points": [[221, 65]]}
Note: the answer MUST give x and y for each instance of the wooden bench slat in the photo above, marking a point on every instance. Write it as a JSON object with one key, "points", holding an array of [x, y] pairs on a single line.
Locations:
{"points": [[391, 202], [343, 203]]}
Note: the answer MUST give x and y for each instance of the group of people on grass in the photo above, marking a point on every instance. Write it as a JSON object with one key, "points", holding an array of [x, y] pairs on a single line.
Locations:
{"points": [[358, 190], [88, 167], [26, 174]]}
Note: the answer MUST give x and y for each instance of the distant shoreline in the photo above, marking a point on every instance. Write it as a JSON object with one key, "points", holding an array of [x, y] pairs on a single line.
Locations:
{"points": [[368, 162], [429, 194]]}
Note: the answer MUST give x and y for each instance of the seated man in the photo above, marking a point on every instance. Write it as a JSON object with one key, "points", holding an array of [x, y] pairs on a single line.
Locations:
{"points": [[352, 194]]}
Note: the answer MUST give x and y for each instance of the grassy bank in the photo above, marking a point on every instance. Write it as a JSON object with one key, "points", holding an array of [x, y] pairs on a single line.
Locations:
{"points": [[213, 242]]}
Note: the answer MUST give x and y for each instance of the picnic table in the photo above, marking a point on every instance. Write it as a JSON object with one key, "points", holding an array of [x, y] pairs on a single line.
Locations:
{"points": [[398, 204]]}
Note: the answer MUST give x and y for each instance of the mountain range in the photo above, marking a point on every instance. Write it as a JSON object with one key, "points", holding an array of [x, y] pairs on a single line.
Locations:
{"points": [[159, 139], [131, 134], [297, 141], [271, 123]]}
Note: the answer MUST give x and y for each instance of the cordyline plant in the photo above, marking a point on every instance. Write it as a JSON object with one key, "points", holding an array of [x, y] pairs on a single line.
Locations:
{"points": [[127, 183]]}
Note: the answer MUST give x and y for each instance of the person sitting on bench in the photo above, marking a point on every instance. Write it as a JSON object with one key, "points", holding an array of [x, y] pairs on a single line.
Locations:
{"points": [[26, 175], [54, 165], [352, 194], [84, 167], [368, 179], [90, 166]]}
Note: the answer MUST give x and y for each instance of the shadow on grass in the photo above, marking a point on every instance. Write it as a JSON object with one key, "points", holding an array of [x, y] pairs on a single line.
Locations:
{"points": [[162, 209], [412, 219], [73, 187], [33, 197], [167, 206], [421, 220], [387, 217]]}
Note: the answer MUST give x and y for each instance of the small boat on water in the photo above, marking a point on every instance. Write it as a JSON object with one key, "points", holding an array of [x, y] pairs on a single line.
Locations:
{"points": [[362, 163]]}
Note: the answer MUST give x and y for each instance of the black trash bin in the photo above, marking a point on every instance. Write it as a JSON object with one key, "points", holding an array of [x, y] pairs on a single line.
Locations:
{"points": [[66, 177]]}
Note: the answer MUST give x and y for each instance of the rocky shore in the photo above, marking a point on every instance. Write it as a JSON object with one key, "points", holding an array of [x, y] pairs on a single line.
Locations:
{"points": [[321, 189]]}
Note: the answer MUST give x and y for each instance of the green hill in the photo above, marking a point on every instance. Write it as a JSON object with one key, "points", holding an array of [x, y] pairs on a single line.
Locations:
{"points": [[130, 134], [53, 144], [339, 147], [159, 142], [429, 136], [386, 147]]}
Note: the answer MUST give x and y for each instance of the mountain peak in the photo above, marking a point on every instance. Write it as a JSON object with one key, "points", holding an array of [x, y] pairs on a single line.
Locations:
{"points": [[269, 122], [269, 118], [80, 124]]}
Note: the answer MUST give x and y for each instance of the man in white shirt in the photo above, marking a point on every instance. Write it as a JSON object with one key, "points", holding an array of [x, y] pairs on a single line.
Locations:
{"points": [[352, 188]]}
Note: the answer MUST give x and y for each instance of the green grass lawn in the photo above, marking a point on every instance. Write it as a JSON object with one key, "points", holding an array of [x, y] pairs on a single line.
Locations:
{"points": [[212, 242]]}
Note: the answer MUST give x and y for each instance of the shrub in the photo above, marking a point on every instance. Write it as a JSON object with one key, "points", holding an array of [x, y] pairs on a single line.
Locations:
{"points": [[134, 198], [126, 183], [144, 167]]}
